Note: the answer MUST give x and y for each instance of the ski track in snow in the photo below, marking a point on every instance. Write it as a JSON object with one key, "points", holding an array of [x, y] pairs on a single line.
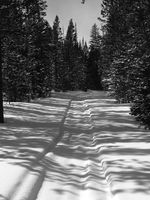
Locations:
{"points": [[73, 146]]}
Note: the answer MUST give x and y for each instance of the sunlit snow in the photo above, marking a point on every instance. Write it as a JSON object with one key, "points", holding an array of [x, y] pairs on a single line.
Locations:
{"points": [[73, 146]]}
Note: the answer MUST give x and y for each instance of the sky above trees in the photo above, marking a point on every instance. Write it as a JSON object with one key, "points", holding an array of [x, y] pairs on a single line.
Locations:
{"points": [[85, 15]]}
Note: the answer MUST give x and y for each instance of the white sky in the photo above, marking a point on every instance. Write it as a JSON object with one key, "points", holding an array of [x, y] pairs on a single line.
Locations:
{"points": [[85, 15]]}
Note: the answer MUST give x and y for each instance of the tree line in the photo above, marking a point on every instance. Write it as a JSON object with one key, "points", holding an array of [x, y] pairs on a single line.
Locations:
{"points": [[125, 54], [36, 58]]}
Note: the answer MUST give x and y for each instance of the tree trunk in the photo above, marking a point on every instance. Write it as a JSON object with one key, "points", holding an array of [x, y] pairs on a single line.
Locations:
{"points": [[1, 87]]}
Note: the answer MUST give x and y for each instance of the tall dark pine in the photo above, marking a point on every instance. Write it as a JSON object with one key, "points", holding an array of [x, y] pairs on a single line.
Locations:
{"points": [[94, 73], [74, 60], [26, 51], [125, 48], [58, 74], [4, 25], [140, 61], [1, 87], [69, 45], [2, 32], [14, 55], [115, 43], [34, 26]]}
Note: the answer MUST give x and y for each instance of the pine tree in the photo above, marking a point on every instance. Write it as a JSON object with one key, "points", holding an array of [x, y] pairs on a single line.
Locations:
{"points": [[58, 72], [95, 37], [139, 56], [8, 26], [47, 58], [27, 53], [34, 27], [69, 44], [1, 86], [94, 77], [114, 46], [74, 60], [126, 42], [43, 60]]}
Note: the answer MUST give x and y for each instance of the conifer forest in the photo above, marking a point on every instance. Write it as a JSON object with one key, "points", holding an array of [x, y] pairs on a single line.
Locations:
{"points": [[37, 58]]}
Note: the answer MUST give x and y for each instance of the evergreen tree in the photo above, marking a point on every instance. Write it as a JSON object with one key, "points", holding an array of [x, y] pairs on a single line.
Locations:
{"points": [[95, 37], [74, 60], [34, 28], [114, 46], [125, 50], [85, 49], [69, 45], [139, 56], [94, 71], [27, 56], [1, 86], [9, 26], [58, 71]]}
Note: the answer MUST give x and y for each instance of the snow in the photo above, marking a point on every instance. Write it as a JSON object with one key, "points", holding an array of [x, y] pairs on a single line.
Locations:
{"points": [[8, 173], [73, 146]]}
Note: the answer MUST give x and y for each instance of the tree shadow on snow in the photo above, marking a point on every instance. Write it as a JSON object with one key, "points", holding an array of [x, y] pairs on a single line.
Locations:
{"points": [[102, 147]]}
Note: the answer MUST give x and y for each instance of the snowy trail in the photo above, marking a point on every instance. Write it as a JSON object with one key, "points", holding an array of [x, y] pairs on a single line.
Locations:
{"points": [[84, 146], [75, 175], [31, 130], [32, 183]]}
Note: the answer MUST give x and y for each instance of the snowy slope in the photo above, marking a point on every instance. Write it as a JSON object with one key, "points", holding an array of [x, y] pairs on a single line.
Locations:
{"points": [[73, 146]]}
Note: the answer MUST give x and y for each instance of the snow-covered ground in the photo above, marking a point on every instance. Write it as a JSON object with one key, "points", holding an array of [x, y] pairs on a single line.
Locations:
{"points": [[73, 146]]}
